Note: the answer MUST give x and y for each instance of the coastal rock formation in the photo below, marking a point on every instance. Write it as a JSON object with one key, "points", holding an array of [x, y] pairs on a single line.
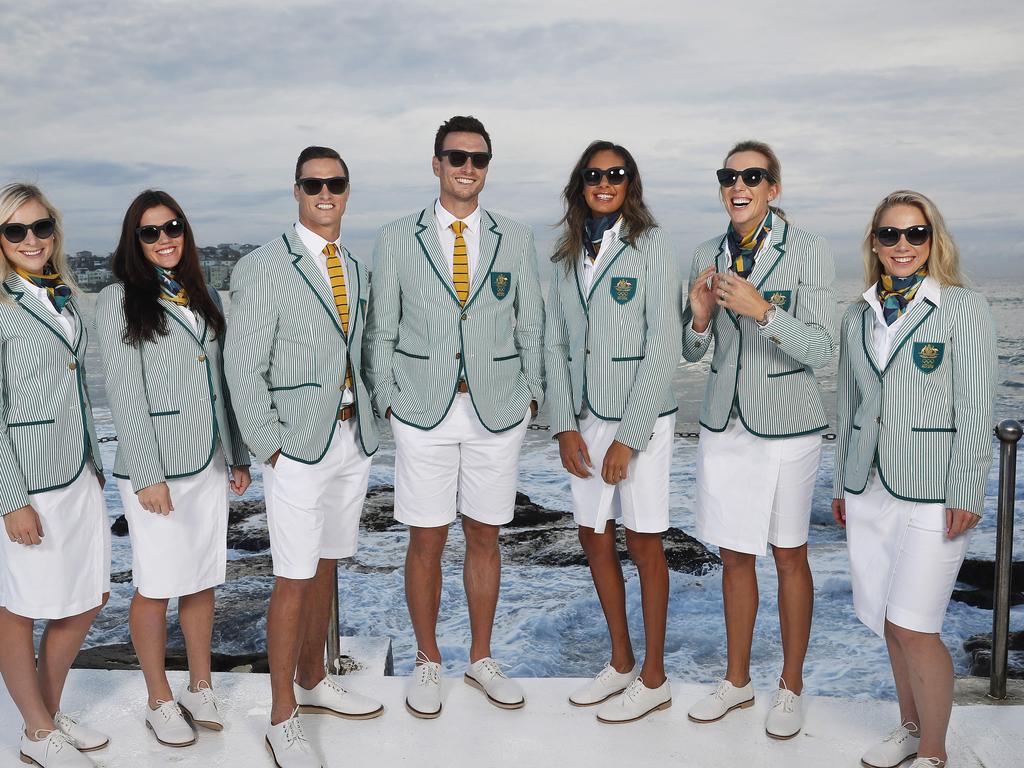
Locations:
{"points": [[980, 575], [979, 647]]}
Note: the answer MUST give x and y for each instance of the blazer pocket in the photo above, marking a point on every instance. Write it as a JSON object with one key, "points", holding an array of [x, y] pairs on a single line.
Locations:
{"points": [[932, 429], [294, 386], [785, 373], [410, 354], [506, 357], [30, 423], [165, 413], [628, 359]]}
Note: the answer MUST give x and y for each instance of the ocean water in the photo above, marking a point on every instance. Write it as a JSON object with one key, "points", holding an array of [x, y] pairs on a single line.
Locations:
{"points": [[549, 622]]}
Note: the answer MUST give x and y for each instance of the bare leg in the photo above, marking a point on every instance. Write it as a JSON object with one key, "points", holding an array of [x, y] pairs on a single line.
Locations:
{"points": [[739, 597], [284, 639], [60, 644], [648, 554], [311, 668], [901, 675], [481, 576], [796, 605], [147, 620], [18, 667], [423, 585], [606, 571], [195, 614], [931, 679]]}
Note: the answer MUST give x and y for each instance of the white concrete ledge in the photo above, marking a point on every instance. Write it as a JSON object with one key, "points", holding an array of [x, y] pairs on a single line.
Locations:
{"points": [[547, 732]]}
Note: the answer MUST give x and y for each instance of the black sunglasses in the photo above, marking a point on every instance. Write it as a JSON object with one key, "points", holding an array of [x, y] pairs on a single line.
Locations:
{"points": [[150, 233], [889, 236], [15, 233], [751, 176], [458, 157], [592, 176], [336, 185]]}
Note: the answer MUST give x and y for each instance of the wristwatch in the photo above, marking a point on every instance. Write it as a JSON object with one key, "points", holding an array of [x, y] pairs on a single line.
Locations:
{"points": [[769, 314]]}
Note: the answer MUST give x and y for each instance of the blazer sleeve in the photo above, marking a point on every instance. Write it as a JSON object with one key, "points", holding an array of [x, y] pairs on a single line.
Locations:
{"points": [[848, 399], [556, 353], [234, 444], [13, 488], [662, 348], [383, 313], [529, 330], [695, 345], [125, 381], [247, 354], [973, 356], [809, 336]]}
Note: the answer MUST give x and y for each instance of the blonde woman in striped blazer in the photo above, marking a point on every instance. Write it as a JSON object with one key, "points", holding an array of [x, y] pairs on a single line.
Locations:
{"points": [[764, 291], [161, 331], [917, 368], [612, 343], [55, 557]]}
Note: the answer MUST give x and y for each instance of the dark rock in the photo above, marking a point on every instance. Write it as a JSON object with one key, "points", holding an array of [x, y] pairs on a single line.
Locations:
{"points": [[684, 553], [528, 514], [244, 509], [121, 577], [120, 526], [122, 656], [982, 574], [248, 539], [979, 647], [983, 598], [379, 510]]}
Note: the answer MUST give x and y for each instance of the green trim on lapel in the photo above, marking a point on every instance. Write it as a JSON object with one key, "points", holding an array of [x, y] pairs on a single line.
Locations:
{"points": [[494, 257], [426, 253], [599, 278], [42, 318], [579, 288], [353, 306], [332, 313], [201, 341], [781, 248], [722, 250], [869, 350], [906, 338], [80, 332]]}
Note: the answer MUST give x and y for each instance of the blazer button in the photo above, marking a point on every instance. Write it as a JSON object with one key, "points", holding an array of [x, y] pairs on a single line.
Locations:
{"points": [[774, 339], [202, 358], [458, 355], [588, 351], [215, 398], [878, 419], [72, 366], [465, 317]]}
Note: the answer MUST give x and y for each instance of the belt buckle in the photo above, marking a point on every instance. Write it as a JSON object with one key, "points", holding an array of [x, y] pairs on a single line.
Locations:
{"points": [[346, 412]]}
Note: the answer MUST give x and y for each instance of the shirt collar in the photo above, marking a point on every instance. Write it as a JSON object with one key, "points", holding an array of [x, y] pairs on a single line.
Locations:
{"points": [[930, 289], [313, 242], [445, 217]]}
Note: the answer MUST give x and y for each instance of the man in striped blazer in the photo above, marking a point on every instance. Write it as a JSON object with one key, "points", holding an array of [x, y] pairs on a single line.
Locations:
{"points": [[293, 363], [455, 362]]}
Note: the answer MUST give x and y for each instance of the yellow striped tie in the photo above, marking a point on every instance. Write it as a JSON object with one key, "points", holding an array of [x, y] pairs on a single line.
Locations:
{"points": [[460, 262], [340, 292]]}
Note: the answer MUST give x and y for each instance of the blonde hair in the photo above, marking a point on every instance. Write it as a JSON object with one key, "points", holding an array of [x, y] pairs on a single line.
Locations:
{"points": [[12, 197], [944, 256], [774, 167]]}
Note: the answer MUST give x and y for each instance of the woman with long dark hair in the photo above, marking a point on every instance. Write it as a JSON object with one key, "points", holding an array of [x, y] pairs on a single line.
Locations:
{"points": [[612, 344], [55, 557], [162, 333], [764, 290]]}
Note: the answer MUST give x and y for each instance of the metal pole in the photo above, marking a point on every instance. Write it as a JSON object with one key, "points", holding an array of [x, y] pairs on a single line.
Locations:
{"points": [[333, 640], [1009, 432]]}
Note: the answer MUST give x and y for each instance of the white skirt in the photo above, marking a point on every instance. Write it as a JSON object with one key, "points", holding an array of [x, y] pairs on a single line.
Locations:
{"points": [[641, 500], [902, 565], [69, 572], [754, 491], [186, 551]]}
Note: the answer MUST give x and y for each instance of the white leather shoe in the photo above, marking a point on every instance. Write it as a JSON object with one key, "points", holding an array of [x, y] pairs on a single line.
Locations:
{"points": [[717, 705], [169, 725], [84, 738], [894, 748], [502, 692], [288, 746], [927, 762], [54, 750], [786, 714], [329, 698], [201, 707], [636, 702], [607, 683], [423, 693]]}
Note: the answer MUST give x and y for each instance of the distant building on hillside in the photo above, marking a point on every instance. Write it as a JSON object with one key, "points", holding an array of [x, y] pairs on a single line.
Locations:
{"points": [[92, 271]]}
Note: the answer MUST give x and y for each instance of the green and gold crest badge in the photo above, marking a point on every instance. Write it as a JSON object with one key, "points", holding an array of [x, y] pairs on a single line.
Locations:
{"points": [[623, 289], [928, 355], [500, 283], [780, 299]]}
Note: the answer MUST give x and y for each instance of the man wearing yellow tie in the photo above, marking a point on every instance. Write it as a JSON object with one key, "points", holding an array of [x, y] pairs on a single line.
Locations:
{"points": [[455, 361], [293, 360]]}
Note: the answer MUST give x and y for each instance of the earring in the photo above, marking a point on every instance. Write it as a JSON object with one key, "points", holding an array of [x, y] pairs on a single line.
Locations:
{"points": [[874, 250]]}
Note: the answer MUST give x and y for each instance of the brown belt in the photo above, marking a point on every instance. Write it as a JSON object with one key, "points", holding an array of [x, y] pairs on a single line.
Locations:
{"points": [[463, 386], [346, 413]]}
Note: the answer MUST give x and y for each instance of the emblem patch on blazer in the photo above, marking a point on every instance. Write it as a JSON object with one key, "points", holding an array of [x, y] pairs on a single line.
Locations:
{"points": [[500, 282], [928, 355], [780, 299], [623, 289]]}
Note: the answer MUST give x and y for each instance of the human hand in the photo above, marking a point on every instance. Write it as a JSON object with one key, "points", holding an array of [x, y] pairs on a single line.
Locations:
{"points": [[958, 521], [156, 498], [616, 462], [240, 479], [101, 479], [702, 299], [533, 409], [575, 455], [24, 526], [839, 511], [740, 296], [272, 461]]}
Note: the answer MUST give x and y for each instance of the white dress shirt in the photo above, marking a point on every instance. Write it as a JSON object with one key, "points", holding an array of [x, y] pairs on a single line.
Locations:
{"points": [[66, 318], [471, 234], [882, 335], [589, 271]]}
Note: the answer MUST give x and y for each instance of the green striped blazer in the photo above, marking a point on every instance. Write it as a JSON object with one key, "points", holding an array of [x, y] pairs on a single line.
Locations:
{"points": [[767, 374], [286, 354], [47, 436], [924, 419], [615, 348], [421, 340], [168, 397]]}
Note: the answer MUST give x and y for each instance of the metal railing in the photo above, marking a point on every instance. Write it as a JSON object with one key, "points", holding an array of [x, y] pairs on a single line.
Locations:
{"points": [[1009, 433]]}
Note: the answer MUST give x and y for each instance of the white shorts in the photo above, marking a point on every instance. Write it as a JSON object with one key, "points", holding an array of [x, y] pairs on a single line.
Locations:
{"points": [[457, 464], [640, 501], [186, 551], [755, 491], [313, 510], [68, 573]]}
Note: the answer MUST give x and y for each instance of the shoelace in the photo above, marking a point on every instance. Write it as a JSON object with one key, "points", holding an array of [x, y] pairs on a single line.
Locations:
{"points": [[427, 674], [606, 673], [722, 690], [209, 697], [56, 737], [493, 668], [901, 734], [334, 686], [783, 698], [932, 761], [634, 689], [293, 730], [168, 712]]}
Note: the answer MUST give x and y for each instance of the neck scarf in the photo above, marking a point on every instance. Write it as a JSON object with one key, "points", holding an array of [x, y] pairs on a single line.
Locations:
{"points": [[744, 249], [170, 288], [58, 293], [895, 293], [593, 233]]}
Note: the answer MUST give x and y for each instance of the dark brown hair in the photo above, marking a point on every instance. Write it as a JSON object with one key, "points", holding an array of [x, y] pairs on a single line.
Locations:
{"points": [[317, 153], [774, 166], [459, 124], [144, 317], [637, 217]]}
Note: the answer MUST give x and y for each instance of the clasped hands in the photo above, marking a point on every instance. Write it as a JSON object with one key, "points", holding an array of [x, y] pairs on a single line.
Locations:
{"points": [[712, 289]]}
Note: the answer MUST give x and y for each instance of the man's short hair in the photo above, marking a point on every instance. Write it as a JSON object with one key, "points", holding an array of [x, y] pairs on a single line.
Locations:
{"points": [[459, 124], [316, 153]]}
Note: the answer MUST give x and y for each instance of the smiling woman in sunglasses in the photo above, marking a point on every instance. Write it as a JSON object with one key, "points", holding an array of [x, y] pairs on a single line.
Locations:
{"points": [[162, 331], [612, 344], [55, 556], [917, 367], [764, 291]]}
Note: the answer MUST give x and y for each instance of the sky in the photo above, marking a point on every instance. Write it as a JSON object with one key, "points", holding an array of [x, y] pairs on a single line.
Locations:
{"points": [[212, 101]]}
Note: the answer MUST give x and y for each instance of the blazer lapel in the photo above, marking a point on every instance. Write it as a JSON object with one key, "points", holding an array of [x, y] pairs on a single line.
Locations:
{"points": [[354, 288], [867, 324], [910, 324], [310, 272], [426, 236], [34, 307], [764, 266], [175, 313], [490, 242], [723, 263], [623, 244]]}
